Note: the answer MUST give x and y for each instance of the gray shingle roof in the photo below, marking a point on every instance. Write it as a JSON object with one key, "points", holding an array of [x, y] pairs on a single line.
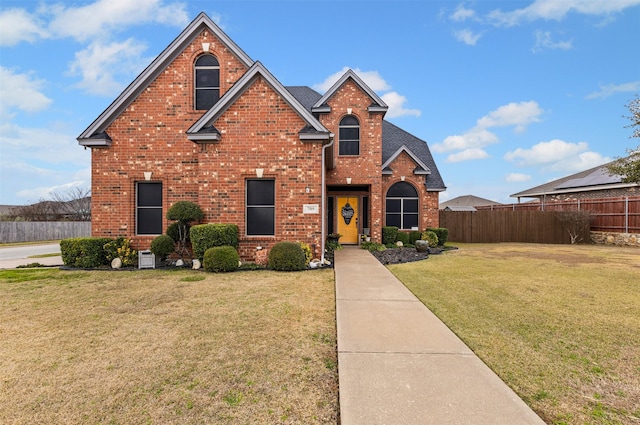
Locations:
{"points": [[393, 138]]}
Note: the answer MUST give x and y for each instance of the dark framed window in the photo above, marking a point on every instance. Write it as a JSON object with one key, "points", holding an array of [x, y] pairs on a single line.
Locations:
{"points": [[148, 208], [260, 206], [402, 206], [207, 82], [349, 136]]}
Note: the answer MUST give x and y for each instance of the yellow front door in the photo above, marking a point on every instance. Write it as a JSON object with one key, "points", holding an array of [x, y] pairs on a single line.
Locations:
{"points": [[347, 216]]}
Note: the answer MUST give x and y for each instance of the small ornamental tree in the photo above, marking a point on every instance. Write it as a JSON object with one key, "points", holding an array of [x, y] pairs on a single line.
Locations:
{"points": [[184, 212]]}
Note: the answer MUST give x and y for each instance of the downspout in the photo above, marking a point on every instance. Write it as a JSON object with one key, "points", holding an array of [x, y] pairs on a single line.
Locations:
{"points": [[324, 197]]}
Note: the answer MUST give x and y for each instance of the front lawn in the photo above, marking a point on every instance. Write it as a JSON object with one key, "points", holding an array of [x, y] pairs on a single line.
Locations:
{"points": [[167, 347], [560, 324]]}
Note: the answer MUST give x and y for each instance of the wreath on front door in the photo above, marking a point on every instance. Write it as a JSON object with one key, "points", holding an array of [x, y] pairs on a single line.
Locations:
{"points": [[347, 212]]}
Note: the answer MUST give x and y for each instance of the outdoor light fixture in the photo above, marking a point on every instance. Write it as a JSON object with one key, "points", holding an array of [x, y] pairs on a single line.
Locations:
{"points": [[259, 172], [147, 175]]}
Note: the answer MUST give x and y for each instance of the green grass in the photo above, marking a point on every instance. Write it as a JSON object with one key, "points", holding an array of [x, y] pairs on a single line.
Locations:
{"points": [[557, 323], [167, 347]]}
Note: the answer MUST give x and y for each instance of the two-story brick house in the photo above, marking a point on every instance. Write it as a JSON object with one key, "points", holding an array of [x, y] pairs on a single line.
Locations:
{"points": [[205, 123]]}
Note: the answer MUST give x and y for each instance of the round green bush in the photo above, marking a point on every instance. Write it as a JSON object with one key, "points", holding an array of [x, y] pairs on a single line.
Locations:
{"points": [[221, 259], [430, 237], [287, 257], [162, 246]]}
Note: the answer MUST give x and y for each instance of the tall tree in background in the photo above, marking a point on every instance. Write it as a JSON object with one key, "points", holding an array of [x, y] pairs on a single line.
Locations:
{"points": [[629, 167]]}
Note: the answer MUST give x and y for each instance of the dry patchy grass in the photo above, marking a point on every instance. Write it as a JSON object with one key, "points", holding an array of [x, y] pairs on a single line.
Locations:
{"points": [[560, 324], [177, 347]]}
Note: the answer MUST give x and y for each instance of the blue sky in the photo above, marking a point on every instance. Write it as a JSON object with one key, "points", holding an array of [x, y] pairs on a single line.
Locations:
{"points": [[508, 94]]}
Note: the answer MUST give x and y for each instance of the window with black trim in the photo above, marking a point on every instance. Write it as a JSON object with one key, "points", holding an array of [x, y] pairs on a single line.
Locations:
{"points": [[402, 206], [349, 136], [148, 208], [207, 82], [260, 207]]}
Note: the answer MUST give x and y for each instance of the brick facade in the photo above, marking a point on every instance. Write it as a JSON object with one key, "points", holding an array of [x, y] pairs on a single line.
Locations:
{"points": [[259, 129]]}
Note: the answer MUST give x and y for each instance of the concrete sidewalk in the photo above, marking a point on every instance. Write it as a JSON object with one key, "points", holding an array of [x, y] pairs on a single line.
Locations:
{"points": [[45, 261], [399, 364]]}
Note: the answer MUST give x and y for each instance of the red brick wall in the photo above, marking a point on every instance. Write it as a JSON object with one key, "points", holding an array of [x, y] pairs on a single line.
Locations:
{"points": [[259, 131], [404, 165], [364, 169]]}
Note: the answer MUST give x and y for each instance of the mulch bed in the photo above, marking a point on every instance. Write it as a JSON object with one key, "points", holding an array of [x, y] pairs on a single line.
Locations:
{"points": [[401, 255]]}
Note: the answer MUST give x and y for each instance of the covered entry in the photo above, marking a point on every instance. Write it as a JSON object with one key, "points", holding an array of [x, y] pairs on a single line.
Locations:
{"points": [[348, 212]]}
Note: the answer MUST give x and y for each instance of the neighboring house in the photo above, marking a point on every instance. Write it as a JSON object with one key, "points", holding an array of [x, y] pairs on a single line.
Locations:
{"points": [[593, 183], [207, 124], [466, 203]]}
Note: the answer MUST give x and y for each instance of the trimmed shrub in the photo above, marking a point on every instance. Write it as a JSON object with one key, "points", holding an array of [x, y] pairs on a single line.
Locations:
{"points": [[185, 212], [121, 248], [221, 259], [403, 237], [205, 236], [84, 253], [389, 235], [162, 246], [287, 257], [372, 246], [414, 235], [441, 232], [308, 254], [174, 231], [430, 237]]}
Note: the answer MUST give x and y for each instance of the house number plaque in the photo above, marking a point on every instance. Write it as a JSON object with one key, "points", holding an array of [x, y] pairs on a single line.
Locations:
{"points": [[347, 213]]}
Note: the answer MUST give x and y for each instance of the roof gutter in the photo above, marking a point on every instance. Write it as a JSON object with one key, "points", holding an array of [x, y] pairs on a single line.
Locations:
{"points": [[324, 196]]}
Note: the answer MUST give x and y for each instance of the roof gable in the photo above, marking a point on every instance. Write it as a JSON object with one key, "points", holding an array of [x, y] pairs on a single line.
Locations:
{"points": [[203, 131], [377, 104], [420, 169], [95, 134]]}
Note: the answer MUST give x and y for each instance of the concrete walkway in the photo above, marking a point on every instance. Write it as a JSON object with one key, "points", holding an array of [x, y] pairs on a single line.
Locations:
{"points": [[399, 364]]}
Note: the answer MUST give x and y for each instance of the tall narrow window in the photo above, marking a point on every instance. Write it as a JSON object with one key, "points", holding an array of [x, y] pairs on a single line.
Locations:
{"points": [[207, 82], [402, 206], [349, 136], [149, 208], [260, 207]]}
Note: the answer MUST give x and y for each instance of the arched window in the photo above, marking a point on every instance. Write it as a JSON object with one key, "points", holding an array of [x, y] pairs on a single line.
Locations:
{"points": [[349, 136], [402, 206], [207, 82]]}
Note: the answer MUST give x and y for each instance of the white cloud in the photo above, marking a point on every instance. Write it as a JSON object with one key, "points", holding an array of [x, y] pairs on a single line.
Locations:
{"points": [[98, 63], [519, 115], [467, 155], [103, 17], [21, 91], [396, 105], [47, 192], [517, 178], [544, 41], [462, 13], [611, 89], [467, 37], [558, 10], [374, 80], [17, 25], [557, 155]]}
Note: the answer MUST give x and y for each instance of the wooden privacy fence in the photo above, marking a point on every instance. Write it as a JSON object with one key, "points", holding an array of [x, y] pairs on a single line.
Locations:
{"points": [[34, 231], [488, 226], [618, 215]]}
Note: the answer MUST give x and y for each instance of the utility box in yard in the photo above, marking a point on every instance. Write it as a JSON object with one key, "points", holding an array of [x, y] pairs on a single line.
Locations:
{"points": [[146, 260]]}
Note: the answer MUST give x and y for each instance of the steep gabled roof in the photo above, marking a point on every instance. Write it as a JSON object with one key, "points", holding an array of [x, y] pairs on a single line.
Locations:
{"points": [[95, 134], [421, 167], [203, 130], [377, 104], [596, 178], [394, 139]]}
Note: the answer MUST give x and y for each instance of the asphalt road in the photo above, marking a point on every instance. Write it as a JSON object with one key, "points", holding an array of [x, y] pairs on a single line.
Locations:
{"points": [[26, 251]]}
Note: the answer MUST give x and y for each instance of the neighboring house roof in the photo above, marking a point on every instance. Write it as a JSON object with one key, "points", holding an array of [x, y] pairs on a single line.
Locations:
{"points": [[466, 201], [95, 134], [596, 178], [394, 141], [203, 130], [454, 208]]}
